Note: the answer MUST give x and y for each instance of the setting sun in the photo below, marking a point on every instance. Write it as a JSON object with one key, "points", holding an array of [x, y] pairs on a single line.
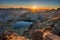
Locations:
{"points": [[34, 7]]}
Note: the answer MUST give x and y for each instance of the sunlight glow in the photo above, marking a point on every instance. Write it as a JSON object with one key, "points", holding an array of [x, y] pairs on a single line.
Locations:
{"points": [[34, 7]]}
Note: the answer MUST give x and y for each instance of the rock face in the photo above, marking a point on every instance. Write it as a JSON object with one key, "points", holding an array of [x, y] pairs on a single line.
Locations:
{"points": [[10, 35], [50, 36], [41, 35], [37, 35], [56, 29]]}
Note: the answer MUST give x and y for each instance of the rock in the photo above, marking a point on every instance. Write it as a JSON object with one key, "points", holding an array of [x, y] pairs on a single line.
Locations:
{"points": [[50, 36], [36, 35], [56, 29], [10, 35]]}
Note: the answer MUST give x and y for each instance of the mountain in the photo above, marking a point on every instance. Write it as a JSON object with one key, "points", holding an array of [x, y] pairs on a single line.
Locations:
{"points": [[44, 23]]}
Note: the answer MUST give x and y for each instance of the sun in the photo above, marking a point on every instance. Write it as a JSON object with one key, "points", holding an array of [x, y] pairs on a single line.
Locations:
{"points": [[34, 7]]}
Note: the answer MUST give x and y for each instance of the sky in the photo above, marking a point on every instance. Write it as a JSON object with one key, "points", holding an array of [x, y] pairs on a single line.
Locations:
{"points": [[30, 3]]}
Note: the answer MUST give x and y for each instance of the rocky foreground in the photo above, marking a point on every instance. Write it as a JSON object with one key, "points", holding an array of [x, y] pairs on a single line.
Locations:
{"points": [[35, 35], [10, 35]]}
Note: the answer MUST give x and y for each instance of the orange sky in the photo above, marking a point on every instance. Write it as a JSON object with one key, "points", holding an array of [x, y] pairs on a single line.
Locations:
{"points": [[6, 6]]}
